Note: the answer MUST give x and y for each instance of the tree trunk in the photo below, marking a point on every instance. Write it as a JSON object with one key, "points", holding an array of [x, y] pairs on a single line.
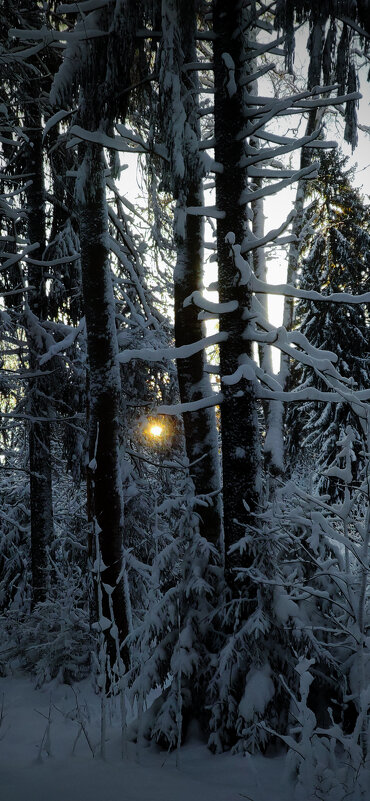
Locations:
{"points": [[105, 388], [199, 426], [273, 409], [41, 503], [106, 67], [239, 424]]}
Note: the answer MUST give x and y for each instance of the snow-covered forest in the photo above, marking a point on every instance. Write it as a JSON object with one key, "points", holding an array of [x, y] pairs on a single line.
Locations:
{"points": [[184, 526]]}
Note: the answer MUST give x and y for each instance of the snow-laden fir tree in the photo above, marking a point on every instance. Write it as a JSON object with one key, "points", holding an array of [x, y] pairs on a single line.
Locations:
{"points": [[335, 258], [334, 43], [175, 646]]}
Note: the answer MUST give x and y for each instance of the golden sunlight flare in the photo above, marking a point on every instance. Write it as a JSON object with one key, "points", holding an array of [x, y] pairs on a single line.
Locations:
{"points": [[156, 430]]}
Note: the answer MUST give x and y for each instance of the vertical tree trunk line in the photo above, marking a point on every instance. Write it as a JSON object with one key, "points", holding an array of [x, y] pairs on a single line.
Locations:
{"points": [[239, 424], [105, 70], [41, 502], [273, 409], [201, 439], [105, 388], [200, 426]]}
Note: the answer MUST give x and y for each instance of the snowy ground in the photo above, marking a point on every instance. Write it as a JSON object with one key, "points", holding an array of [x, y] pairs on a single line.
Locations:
{"points": [[28, 773]]}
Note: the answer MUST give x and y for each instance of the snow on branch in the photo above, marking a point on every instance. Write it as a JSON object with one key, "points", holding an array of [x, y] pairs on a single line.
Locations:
{"points": [[272, 107], [125, 261], [60, 115], [50, 37], [64, 344], [268, 136], [352, 24], [311, 357], [310, 394], [254, 284], [126, 133], [252, 243], [54, 262], [19, 291], [249, 371], [83, 7], [183, 352], [290, 291], [191, 406], [16, 257], [268, 387], [255, 49], [299, 100], [206, 211], [197, 299], [9, 211], [292, 488], [21, 55], [294, 104], [280, 337], [270, 172], [309, 172], [116, 142], [257, 74], [330, 101]]}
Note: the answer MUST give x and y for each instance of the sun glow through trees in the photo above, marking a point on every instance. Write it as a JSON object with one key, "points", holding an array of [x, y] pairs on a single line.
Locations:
{"points": [[156, 430]]}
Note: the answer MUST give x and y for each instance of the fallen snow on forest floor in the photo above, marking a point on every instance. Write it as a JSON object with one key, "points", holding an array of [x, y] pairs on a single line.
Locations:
{"points": [[37, 762]]}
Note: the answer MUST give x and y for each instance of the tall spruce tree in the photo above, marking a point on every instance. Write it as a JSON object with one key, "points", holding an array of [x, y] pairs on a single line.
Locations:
{"points": [[334, 258], [35, 82], [332, 30]]}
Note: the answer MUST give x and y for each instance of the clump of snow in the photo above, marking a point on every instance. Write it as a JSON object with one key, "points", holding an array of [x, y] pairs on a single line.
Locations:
{"points": [[259, 690], [230, 66]]}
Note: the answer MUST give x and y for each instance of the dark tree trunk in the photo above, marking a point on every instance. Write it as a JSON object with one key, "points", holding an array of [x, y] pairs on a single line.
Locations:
{"points": [[273, 410], [105, 70], [105, 387], [41, 504], [239, 425], [199, 426]]}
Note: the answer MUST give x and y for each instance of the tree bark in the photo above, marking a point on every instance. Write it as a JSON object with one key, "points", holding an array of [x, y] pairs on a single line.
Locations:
{"points": [[273, 409], [199, 426], [239, 424], [105, 388], [41, 503], [106, 66]]}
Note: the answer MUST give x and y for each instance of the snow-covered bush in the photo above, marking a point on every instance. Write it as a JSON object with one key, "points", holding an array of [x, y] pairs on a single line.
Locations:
{"points": [[258, 641], [14, 540], [324, 763], [54, 639], [174, 647]]}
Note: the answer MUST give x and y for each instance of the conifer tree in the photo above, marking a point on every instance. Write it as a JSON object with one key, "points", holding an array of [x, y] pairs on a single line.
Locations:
{"points": [[332, 28], [334, 258], [30, 103]]}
